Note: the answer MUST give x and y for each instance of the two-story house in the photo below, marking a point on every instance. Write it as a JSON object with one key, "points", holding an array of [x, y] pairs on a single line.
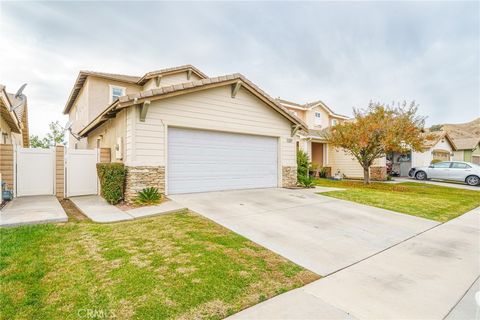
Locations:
{"points": [[181, 131], [319, 117]]}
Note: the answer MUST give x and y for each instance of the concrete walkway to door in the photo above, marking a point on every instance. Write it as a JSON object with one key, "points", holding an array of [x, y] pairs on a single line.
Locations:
{"points": [[99, 210], [32, 210]]}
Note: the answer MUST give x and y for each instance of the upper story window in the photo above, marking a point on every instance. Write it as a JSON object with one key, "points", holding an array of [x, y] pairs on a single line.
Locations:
{"points": [[116, 92], [318, 118], [334, 122]]}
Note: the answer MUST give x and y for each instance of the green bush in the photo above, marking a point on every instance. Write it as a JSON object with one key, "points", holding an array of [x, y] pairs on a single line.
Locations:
{"points": [[322, 172], [307, 182], [112, 181], [435, 161], [148, 196], [302, 164]]}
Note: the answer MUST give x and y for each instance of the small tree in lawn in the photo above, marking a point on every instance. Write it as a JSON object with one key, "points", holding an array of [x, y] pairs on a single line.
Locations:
{"points": [[378, 130]]}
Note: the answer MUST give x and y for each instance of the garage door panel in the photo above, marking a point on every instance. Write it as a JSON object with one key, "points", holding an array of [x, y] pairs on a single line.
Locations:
{"points": [[200, 161]]}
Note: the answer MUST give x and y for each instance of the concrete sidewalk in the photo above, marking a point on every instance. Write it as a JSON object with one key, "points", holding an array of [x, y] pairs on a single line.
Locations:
{"points": [[32, 210], [424, 277], [99, 210]]}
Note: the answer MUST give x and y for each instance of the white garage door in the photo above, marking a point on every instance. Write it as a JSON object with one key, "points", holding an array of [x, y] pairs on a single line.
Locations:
{"points": [[200, 161]]}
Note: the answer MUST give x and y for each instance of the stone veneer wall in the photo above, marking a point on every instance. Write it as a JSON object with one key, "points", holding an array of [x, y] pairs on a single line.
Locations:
{"points": [[289, 177], [378, 173], [139, 178]]}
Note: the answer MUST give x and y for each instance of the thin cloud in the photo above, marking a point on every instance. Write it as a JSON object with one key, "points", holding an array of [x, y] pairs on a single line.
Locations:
{"points": [[345, 54]]}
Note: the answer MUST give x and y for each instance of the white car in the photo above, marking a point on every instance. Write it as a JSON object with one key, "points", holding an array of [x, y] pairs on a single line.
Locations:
{"points": [[449, 170]]}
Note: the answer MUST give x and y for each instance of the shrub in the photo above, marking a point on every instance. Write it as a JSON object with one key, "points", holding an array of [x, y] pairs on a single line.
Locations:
{"points": [[148, 196], [322, 172], [307, 182], [302, 164], [435, 161], [112, 181]]}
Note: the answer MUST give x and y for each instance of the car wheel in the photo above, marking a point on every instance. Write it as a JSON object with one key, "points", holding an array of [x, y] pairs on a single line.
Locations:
{"points": [[421, 175], [472, 180]]}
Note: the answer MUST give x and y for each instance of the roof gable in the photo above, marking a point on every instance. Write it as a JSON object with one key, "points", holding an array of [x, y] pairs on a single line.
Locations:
{"points": [[188, 87], [169, 71], [82, 76]]}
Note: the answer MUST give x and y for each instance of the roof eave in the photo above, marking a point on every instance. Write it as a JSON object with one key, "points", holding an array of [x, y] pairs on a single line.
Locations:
{"points": [[134, 99]]}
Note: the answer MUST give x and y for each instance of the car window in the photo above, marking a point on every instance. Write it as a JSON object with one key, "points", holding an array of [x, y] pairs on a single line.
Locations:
{"points": [[459, 165], [442, 165]]}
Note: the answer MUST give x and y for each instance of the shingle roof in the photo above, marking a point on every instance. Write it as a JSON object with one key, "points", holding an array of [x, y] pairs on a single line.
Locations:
{"points": [[82, 76], [467, 143], [10, 117], [158, 93], [185, 67], [437, 136], [310, 105]]}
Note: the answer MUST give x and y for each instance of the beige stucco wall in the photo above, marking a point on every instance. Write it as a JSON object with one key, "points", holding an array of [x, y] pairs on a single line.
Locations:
{"points": [[212, 109], [93, 98], [169, 80], [299, 113], [99, 94], [310, 118], [108, 133]]}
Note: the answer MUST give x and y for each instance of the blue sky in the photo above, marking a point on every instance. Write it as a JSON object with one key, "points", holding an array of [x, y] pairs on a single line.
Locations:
{"points": [[344, 53]]}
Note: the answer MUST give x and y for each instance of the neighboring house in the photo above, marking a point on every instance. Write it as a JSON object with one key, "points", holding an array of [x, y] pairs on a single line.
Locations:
{"points": [[319, 117], [441, 147], [13, 120], [467, 149], [181, 131]]}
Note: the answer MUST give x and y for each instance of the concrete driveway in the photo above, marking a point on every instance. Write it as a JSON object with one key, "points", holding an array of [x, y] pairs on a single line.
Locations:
{"points": [[433, 275], [319, 233]]}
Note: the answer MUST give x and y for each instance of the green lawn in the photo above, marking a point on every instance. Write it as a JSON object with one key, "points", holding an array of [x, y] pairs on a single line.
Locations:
{"points": [[417, 199], [173, 266]]}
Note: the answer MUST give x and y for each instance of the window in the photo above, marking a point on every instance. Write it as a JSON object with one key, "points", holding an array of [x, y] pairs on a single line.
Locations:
{"points": [[459, 165], [116, 92], [294, 113], [442, 165], [318, 119], [334, 122]]}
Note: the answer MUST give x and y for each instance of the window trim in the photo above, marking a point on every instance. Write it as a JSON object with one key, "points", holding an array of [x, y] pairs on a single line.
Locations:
{"points": [[112, 86]]}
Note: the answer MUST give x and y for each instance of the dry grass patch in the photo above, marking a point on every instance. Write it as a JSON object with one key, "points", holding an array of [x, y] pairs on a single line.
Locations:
{"points": [[173, 266]]}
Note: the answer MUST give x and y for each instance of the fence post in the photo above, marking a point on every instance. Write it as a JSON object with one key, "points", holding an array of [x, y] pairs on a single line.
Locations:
{"points": [[105, 155], [60, 171], [7, 165]]}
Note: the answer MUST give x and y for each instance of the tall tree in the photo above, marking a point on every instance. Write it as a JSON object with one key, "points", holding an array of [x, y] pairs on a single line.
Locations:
{"points": [[55, 137], [378, 130]]}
